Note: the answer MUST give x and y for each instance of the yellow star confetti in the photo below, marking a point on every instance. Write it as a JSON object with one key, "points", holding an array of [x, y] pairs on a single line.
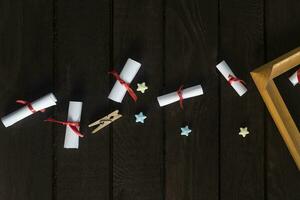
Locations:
{"points": [[141, 87], [244, 131]]}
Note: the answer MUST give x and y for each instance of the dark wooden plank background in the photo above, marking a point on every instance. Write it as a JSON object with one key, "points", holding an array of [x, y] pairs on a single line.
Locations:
{"points": [[242, 45], [190, 44], [82, 59], [26, 54], [68, 46]]}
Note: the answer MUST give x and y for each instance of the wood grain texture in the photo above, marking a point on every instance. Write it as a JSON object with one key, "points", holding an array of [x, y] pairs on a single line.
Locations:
{"points": [[282, 20], [242, 46], [25, 73], [138, 148], [82, 61], [191, 52], [68, 47]]}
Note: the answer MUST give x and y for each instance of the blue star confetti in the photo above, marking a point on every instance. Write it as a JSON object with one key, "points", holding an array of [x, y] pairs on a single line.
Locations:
{"points": [[185, 131], [139, 118]]}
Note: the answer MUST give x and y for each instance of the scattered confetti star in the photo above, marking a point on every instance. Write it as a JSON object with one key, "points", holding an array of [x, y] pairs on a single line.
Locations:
{"points": [[244, 132], [142, 87], [185, 131], [140, 117]]}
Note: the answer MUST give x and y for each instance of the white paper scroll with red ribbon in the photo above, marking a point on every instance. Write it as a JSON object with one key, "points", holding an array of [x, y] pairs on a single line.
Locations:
{"points": [[295, 78], [237, 84], [176, 96], [29, 108], [123, 80], [74, 115]]}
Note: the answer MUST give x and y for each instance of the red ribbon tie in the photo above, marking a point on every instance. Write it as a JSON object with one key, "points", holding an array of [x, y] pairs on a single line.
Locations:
{"points": [[73, 125], [29, 105], [298, 75], [232, 79], [126, 85], [179, 93]]}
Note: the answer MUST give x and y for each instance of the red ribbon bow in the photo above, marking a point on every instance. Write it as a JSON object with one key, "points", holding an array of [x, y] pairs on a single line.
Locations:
{"points": [[232, 79], [298, 75], [126, 85], [179, 93], [28, 104], [73, 125]]}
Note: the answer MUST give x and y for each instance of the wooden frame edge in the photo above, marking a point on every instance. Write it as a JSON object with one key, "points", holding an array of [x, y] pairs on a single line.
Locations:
{"points": [[263, 79]]}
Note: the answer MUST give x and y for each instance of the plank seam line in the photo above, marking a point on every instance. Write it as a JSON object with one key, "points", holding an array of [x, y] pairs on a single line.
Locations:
{"points": [[265, 161], [219, 100], [110, 84], [164, 145], [54, 63]]}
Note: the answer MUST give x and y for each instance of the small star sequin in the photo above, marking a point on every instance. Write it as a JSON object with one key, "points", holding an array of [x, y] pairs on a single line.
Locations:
{"points": [[141, 87], [185, 131], [139, 118], [244, 131]]}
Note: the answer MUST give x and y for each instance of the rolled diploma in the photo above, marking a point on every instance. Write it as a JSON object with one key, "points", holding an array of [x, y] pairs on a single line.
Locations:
{"points": [[127, 74], [74, 115], [294, 79], [226, 71], [173, 97], [39, 104]]}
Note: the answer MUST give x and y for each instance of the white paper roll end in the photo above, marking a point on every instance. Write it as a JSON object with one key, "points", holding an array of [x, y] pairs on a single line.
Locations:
{"points": [[222, 65], [201, 91], [194, 91], [129, 70], [6, 122], [224, 69], [239, 88], [117, 93], [294, 79], [133, 64], [168, 99], [52, 96], [242, 90], [159, 101]]}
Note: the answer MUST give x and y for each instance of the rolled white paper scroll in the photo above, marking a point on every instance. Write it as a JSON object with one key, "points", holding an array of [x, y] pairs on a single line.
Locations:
{"points": [[127, 74], [226, 72], [173, 97], [39, 104], [74, 115], [294, 78]]}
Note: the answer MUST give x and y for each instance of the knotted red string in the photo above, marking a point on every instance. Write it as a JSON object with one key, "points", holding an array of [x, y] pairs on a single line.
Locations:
{"points": [[298, 75], [126, 85], [179, 93], [73, 125], [232, 79], [28, 104]]}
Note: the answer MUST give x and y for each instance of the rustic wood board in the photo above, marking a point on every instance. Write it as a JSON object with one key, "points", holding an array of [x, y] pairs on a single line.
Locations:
{"points": [[138, 148], [69, 46], [190, 58], [25, 73], [82, 59], [242, 46]]}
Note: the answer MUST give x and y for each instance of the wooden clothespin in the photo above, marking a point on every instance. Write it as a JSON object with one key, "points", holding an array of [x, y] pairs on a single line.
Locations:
{"points": [[105, 120]]}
